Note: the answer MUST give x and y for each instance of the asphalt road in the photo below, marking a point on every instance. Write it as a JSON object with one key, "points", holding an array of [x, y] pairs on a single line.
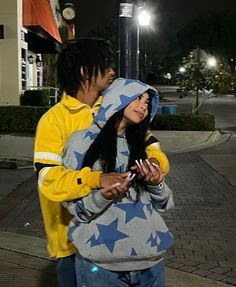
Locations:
{"points": [[223, 108]]}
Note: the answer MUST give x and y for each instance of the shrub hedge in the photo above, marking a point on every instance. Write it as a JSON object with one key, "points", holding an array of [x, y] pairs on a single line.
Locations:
{"points": [[39, 98], [24, 119], [184, 122], [20, 119]]}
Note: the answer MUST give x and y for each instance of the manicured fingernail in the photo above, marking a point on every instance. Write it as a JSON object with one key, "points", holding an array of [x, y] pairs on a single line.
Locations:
{"points": [[129, 175], [141, 162], [155, 164], [147, 161], [116, 184], [133, 176], [137, 162]]}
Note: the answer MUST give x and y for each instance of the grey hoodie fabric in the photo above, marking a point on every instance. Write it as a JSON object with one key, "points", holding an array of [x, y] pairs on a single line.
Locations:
{"points": [[127, 233]]}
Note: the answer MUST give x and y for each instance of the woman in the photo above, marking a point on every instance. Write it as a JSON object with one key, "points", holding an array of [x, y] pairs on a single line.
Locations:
{"points": [[118, 231]]}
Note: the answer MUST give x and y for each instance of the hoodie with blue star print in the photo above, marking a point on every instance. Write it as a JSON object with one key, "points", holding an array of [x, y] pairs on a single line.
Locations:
{"points": [[127, 233]]}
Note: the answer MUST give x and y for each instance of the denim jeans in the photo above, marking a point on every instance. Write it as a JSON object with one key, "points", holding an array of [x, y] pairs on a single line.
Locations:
{"points": [[66, 271], [90, 275]]}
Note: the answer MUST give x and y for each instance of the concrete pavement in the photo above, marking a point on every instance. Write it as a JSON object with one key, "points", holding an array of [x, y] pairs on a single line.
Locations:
{"points": [[204, 251]]}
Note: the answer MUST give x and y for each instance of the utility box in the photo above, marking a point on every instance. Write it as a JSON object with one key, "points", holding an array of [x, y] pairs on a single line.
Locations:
{"points": [[169, 110]]}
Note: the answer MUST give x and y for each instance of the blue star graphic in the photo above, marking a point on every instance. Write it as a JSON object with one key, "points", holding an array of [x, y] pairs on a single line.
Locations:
{"points": [[108, 235], [91, 135], [164, 242], [133, 252], [125, 153], [93, 241], [79, 207], [134, 209], [101, 116], [166, 239], [79, 158], [153, 240], [71, 231], [125, 100]]}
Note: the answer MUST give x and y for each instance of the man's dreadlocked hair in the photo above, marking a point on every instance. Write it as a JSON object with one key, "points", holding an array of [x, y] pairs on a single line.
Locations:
{"points": [[104, 147], [90, 55]]}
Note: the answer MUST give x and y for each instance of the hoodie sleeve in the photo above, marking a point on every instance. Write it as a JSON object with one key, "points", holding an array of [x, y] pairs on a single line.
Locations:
{"points": [[87, 208], [161, 196]]}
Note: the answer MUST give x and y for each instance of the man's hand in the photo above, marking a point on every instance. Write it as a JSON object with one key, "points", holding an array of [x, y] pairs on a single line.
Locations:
{"points": [[149, 171], [117, 189], [108, 179]]}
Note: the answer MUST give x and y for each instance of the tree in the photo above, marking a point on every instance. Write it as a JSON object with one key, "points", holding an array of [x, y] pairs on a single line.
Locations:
{"points": [[203, 80]]}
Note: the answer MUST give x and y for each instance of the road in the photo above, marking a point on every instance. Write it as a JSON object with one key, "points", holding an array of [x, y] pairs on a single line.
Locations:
{"points": [[223, 108], [222, 157]]}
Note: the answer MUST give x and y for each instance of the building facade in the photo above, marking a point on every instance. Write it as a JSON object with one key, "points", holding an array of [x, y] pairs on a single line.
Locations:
{"points": [[28, 29]]}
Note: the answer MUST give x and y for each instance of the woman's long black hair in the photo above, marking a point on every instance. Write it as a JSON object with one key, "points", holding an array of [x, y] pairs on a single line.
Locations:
{"points": [[104, 147]]}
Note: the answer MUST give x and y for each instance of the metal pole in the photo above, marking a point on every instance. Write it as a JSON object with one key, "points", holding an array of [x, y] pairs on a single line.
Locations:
{"points": [[128, 38], [198, 71]]}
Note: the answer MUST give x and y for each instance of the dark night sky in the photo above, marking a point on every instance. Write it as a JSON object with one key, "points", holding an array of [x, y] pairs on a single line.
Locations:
{"points": [[169, 16], [168, 13]]}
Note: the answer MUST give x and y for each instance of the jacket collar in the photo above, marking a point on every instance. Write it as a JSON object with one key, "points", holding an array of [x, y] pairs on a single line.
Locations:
{"points": [[74, 104]]}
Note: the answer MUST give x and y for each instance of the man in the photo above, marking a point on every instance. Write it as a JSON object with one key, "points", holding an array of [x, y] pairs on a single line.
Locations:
{"points": [[85, 70]]}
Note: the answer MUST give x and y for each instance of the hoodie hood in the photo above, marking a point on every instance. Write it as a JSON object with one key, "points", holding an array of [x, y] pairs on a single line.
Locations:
{"points": [[120, 94]]}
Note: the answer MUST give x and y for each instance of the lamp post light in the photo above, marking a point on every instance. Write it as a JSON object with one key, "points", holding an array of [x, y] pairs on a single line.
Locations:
{"points": [[143, 18], [211, 62], [143, 21]]}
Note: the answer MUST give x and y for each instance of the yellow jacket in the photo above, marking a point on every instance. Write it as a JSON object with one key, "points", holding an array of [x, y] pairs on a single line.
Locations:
{"points": [[56, 183]]}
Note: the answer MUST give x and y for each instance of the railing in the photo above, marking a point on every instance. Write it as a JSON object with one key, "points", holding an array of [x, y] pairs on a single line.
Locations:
{"points": [[53, 93]]}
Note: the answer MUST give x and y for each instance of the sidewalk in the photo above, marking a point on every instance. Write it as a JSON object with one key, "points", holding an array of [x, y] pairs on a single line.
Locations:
{"points": [[21, 147], [22, 239]]}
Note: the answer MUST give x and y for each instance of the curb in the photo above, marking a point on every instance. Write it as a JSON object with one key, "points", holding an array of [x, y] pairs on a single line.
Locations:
{"points": [[215, 138], [15, 163]]}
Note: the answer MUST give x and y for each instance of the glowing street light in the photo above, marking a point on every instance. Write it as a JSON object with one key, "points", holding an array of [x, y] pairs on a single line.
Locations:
{"points": [[144, 18], [182, 70], [211, 62]]}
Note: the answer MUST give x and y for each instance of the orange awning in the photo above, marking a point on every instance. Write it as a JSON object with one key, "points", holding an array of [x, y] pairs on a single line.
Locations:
{"points": [[38, 16]]}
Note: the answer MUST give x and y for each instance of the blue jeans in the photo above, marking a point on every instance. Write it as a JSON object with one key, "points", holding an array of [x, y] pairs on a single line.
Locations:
{"points": [[90, 275], [66, 271]]}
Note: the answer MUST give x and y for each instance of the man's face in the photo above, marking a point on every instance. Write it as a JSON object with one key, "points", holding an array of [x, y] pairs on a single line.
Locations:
{"points": [[104, 81]]}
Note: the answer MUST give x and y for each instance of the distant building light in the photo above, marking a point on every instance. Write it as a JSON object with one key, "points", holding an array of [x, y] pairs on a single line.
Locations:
{"points": [[168, 76], [182, 70]]}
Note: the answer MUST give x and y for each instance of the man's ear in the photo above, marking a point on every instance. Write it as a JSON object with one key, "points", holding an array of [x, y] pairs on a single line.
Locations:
{"points": [[84, 73]]}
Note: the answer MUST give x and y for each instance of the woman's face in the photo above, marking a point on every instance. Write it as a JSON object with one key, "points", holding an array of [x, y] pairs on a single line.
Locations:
{"points": [[137, 110]]}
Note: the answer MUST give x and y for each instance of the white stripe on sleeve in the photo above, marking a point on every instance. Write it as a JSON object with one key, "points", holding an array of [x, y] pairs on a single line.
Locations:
{"points": [[47, 156], [156, 144], [42, 175]]}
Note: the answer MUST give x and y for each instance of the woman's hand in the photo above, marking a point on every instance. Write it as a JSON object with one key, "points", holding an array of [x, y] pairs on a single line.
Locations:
{"points": [[115, 190], [149, 171]]}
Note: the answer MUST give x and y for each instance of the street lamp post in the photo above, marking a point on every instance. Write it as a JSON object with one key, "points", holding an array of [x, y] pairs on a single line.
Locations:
{"points": [[131, 21], [128, 39]]}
